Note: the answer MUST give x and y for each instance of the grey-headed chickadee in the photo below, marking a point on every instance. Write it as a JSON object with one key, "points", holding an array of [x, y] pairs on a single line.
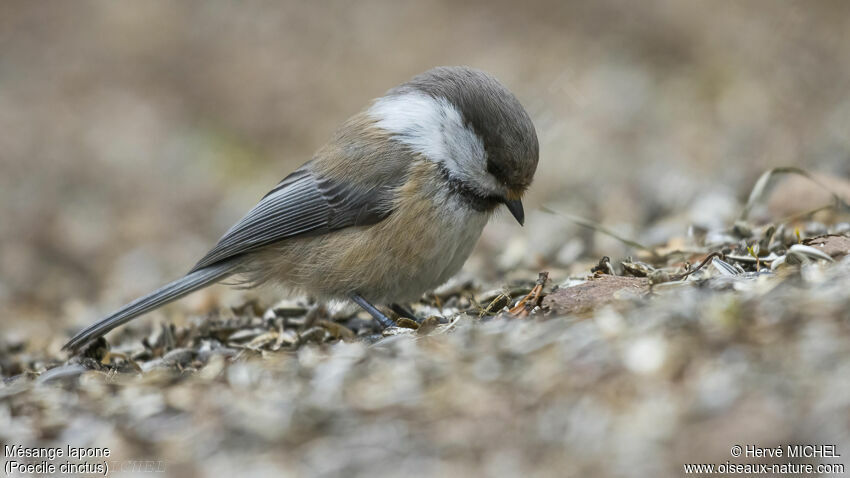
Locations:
{"points": [[387, 210]]}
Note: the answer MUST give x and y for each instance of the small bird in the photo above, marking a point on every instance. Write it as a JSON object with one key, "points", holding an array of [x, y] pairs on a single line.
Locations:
{"points": [[389, 209]]}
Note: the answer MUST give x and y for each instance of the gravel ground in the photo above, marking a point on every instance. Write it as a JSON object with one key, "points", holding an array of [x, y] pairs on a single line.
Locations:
{"points": [[648, 375]]}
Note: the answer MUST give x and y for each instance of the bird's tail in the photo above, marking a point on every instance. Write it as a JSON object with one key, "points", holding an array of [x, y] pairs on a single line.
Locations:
{"points": [[165, 294]]}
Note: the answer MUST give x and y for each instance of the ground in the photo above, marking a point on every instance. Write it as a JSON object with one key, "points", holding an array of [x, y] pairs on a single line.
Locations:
{"points": [[633, 369]]}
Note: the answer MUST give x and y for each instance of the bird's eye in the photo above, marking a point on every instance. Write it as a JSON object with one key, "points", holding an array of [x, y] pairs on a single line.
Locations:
{"points": [[498, 172]]}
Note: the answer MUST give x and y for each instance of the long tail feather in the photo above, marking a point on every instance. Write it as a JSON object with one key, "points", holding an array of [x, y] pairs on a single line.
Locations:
{"points": [[165, 294]]}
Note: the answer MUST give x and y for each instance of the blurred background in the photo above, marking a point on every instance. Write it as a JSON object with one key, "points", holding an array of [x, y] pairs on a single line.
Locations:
{"points": [[133, 134]]}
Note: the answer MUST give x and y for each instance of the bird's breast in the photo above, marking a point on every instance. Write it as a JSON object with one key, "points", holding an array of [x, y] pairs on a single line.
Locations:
{"points": [[424, 242], [421, 244]]}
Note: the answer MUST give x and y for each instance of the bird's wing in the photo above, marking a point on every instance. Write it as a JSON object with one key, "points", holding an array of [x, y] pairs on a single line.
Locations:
{"points": [[303, 203]]}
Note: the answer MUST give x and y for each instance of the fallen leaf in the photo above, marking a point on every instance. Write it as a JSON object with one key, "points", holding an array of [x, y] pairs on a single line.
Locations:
{"points": [[595, 292], [833, 245]]}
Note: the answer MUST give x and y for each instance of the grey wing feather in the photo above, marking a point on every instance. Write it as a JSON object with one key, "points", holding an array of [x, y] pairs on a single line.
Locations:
{"points": [[302, 204]]}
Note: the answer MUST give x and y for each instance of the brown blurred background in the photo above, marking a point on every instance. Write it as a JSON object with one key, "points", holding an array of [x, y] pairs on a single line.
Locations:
{"points": [[133, 134]]}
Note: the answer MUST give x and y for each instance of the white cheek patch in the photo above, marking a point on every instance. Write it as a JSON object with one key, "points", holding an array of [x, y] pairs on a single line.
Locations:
{"points": [[433, 127]]}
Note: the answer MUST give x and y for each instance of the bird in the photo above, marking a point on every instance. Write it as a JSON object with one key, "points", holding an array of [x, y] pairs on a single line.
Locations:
{"points": [[387, 210]]}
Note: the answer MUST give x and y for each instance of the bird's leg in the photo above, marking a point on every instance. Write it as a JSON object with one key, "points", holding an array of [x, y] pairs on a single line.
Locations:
{"points": [[405, 311], [373, 311]]}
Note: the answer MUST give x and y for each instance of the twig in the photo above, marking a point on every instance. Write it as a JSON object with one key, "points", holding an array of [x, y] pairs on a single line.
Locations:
{"points": [[698, 267], [532, 299], [598, 227], [763, 181], [493, 305], [802, 214]]}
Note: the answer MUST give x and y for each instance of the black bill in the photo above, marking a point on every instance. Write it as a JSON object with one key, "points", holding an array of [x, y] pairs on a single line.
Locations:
{"points": [[515, 207]]}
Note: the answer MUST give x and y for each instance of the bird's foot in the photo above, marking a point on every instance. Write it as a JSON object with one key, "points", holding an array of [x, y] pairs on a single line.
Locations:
{"points": [[405, 311], [373, 311]]}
